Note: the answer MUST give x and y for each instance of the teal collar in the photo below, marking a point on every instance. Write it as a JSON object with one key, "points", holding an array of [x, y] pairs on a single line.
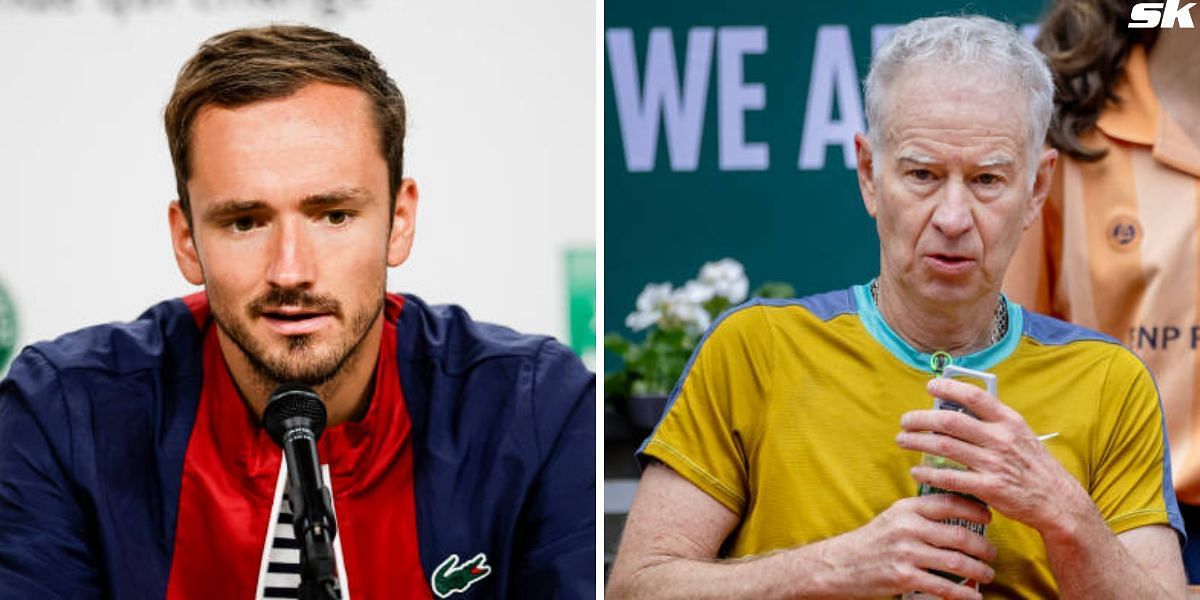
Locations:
{"points": [[982, 360]]}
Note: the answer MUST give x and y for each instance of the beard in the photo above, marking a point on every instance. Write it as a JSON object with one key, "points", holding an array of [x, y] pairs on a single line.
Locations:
{"points": [[301, 360]]}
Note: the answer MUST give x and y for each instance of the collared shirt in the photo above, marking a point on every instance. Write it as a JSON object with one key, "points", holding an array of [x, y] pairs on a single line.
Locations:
{"points": [[1117, 249]]}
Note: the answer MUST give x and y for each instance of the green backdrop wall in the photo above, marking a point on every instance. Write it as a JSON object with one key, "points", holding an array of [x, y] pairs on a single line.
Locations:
{"points": [[726, 127]]}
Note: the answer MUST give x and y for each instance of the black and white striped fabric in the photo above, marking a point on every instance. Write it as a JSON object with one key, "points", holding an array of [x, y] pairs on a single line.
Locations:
{"points": [[283, 563], [279, 575]]}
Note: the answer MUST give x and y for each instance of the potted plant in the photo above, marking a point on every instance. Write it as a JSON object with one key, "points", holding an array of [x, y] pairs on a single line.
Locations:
{"points": [[674, 320]]}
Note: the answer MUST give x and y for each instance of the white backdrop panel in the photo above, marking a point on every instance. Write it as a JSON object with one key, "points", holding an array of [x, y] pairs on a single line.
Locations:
{"points": [[501, 141]]}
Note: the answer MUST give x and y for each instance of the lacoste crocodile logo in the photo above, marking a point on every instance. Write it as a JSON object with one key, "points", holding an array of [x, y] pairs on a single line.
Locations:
{"points": [[452, 578]]}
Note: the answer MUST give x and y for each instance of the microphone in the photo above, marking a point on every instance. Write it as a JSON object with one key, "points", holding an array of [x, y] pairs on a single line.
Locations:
{"points": [[295, 418]]}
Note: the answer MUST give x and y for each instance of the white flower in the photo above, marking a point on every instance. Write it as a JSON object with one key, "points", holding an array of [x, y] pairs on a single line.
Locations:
{"points": [[651, 304], [696, 292], [653, 296], [727, 278], [661, 304], [686, 307], [638, 321]]}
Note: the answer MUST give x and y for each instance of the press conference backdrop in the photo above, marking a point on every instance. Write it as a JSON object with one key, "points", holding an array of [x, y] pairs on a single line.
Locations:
{"points": [[728, 132], [502, 101]]}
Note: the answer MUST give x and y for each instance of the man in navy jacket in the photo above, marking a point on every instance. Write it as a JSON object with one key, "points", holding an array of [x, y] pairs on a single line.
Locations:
{"points": [[460, 455]]}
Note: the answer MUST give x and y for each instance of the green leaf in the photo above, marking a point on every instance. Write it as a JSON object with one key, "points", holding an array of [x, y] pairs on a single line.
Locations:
{"points": [[775, 289], [717, 305], [617, 385], [617, 343]]}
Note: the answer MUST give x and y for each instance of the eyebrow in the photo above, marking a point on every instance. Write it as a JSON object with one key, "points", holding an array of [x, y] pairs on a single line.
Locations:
{"points": [[916, 157], [922, 159], [228, 208], [351, 195], [237, 206], [996, 161]]}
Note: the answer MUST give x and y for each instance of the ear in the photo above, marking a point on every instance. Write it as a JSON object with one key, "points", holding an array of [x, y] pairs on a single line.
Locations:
{"points": [[1042, 181], [404, 223], [866, 175], [184, 245]]}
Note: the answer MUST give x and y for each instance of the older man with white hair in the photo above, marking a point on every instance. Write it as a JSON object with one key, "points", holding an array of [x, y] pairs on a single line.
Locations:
{"points": [[789, 463]]}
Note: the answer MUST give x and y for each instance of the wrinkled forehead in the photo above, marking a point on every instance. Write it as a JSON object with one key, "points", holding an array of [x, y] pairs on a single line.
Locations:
{"points": [[958, 100]]}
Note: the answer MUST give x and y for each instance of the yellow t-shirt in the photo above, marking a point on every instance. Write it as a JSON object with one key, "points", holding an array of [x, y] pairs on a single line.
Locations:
{"points": [[788, 412]]}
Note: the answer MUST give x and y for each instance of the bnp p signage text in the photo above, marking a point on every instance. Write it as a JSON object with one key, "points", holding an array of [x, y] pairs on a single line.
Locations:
{"points": [[665, 90]]}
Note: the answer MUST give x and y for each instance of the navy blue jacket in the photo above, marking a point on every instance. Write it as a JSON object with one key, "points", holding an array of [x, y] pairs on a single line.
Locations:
{"points": [[95, 429]]}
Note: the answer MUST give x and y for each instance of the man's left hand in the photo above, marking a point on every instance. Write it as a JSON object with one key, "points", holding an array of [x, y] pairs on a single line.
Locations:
{"points": [[1008, 466]]}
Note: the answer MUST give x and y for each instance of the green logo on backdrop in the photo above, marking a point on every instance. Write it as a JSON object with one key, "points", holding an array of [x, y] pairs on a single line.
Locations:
{"points": [[581, 302], [8, 328]]}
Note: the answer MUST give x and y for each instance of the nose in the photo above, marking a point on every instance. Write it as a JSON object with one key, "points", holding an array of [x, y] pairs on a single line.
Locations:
{"points": [[952, 216], [291, 262]]}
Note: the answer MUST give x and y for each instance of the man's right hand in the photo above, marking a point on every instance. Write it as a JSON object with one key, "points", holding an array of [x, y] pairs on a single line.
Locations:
{"points": [[894, 552], [675, 531]]}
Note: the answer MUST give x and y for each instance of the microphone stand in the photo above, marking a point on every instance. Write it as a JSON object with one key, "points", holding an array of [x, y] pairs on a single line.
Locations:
{"points": [[315, 528], [295, 418]]}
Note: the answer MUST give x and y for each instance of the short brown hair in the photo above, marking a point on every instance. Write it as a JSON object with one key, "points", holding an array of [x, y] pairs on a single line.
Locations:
{"points": [[244, 66]]}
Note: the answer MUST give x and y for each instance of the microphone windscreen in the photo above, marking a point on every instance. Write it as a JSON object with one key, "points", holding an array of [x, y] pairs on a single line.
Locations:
{"points": [[290, 401]]}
